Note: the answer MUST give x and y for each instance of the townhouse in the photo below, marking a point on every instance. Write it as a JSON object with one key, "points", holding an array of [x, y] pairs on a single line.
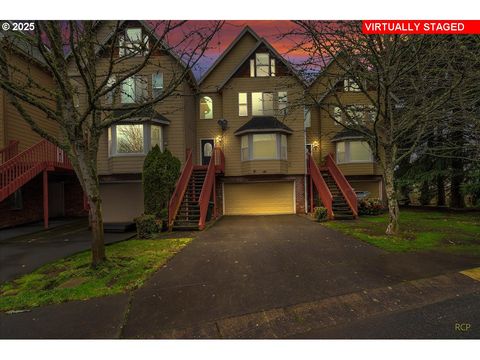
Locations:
{"points": [[252, 137], [36, 179]]}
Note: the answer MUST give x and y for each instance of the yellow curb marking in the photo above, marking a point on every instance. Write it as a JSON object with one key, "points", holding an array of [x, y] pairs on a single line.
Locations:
{"points": [[472, 273]]}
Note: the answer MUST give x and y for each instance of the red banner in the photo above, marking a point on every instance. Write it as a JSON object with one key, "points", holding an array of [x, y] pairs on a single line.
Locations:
{"points": [[421, 26]]}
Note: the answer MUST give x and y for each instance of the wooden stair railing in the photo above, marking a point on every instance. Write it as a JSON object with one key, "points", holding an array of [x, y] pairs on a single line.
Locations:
{"points": [[180, 188], [216, 164], [343, 184], [23, 167], [321, 186], [9, 151]]}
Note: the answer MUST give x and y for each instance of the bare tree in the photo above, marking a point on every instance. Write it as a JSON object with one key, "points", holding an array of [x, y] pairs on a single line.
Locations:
{"points": [[90, 68], [400, 79]]}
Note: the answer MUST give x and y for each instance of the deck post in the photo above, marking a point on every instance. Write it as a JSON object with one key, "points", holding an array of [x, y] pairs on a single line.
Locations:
{"points": [[311, 194], [45, 199], [215, 214]]}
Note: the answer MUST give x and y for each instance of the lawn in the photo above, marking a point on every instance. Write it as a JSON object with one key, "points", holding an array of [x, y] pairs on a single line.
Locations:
{"points": [[457, 233], [129, 264]]}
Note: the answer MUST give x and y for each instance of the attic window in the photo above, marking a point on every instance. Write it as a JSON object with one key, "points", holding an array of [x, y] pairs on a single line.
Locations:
{"points": [[262, 66], [351, 85], [133, 42]]}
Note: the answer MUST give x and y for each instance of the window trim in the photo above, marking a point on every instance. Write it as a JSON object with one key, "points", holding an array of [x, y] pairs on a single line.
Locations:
{"points": [[153, 84], [271, 63], [147, 140], [199, 105], [245, 104], [126, 46], [263, 103], [347, 153], [278, 147]]}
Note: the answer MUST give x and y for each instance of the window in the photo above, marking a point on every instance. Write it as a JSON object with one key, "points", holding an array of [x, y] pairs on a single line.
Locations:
{"points": [[307, 117], [337, 115], [355, 114], [16, 200], [132, 42], [110, 95], [134, 89], [206, 108], [134, 139], [157, 84], [350, 85], [244, 148], [242, 104], [262, 66], [282, 103], [264, 147], [156, 136], [262, 103], [353, 151]]}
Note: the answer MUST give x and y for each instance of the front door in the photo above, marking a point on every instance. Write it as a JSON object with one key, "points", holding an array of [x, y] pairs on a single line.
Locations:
{"points": [[206, 146]]}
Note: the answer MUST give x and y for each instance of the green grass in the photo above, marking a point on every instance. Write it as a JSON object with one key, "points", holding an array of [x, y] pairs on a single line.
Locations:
{"points": [[129, 264], [457, 233]]}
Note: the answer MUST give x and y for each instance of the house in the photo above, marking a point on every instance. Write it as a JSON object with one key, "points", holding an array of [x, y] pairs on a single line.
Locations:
{"points": [[252, 137], [169, 124], [36, 179]]}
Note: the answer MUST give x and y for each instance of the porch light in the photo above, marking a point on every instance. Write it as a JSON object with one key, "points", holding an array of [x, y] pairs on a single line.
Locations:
{"points": [[315, 144]]}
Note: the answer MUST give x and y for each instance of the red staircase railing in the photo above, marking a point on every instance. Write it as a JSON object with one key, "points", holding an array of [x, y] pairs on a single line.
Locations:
{"points": [[343, 184], [180, 188], [23, 167], [216, 164], [320, 185], [9, 151]]}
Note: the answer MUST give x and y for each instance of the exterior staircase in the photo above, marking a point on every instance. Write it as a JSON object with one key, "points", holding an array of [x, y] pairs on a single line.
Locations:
{"points": [[189, 207], [188, 214], [341, 209], [24, 166]]}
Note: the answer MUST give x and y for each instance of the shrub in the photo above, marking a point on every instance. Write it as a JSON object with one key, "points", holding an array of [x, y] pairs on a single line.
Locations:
{"points": [[371, 206], [146, 226], [160, 172], [320, 213]]}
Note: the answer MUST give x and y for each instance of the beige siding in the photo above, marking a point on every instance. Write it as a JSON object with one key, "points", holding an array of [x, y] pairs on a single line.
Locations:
{"points": [[2, 120], [15, 127], [374, 187], [228, 63]]}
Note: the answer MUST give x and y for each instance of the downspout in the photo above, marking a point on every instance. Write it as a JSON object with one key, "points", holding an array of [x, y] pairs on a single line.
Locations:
{"points": [[304, 157]]}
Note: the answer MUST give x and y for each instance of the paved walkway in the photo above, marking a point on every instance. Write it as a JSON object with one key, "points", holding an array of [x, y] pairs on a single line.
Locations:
{"points": [[248, 265], [24, 253]]}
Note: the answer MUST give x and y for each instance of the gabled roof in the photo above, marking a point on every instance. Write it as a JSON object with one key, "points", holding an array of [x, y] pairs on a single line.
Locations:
{"points": [[152, 33], [263, 124], [270, 48], [246, 29]]}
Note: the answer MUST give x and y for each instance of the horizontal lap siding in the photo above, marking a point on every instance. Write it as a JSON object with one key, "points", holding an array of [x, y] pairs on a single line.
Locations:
{"points": [[371, 186]]}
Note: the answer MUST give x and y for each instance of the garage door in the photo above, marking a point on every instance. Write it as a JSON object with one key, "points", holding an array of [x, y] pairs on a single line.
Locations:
{"points": [[259, 198]]}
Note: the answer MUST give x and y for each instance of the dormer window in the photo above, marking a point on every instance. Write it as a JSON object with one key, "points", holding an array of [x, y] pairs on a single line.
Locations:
{"points": [[133, 42], [351, 85], [262, 65]]}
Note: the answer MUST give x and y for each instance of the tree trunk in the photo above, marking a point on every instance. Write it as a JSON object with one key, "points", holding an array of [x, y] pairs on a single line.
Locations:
{"points": [[393, 210], [425, 193], [440, 190]]}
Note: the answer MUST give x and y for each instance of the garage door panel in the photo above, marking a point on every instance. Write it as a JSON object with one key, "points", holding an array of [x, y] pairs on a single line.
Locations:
{"points": [[259, 198]]}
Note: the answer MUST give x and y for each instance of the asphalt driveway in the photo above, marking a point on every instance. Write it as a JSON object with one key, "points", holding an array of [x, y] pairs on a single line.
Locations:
{"points": [[248, 264], [24, 253]]}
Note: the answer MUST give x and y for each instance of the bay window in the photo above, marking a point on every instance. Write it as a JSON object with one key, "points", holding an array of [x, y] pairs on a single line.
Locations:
{"points": [[268, 146], [134, 139], [353, 152]]}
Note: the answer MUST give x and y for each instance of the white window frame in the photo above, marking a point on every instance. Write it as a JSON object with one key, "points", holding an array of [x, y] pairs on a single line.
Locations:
{"points": [[155, 87], [242, 104], [263, 101], [202, 116], [127, 46], [279, 150], [147, 145], [136, 80], [347, 153]]}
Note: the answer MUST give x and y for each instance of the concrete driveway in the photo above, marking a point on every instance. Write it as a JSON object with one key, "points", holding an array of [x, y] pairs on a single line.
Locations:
{"points": [[245, 265]]}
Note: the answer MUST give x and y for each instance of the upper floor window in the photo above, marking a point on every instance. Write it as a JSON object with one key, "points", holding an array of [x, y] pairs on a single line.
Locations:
{"points": [[269, 146], [282, 103], [262, 103], [307, 117], [351, 85], [262, 66], [356, 114], [134, 89], [206, 107], [131, 139], [133, 42], [110, 95], [353, 151], [242, 104], [157, 84]]}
